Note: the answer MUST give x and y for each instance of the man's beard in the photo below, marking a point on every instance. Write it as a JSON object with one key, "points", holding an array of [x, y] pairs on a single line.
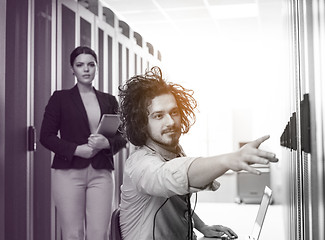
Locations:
{"points": [[173, 140]]}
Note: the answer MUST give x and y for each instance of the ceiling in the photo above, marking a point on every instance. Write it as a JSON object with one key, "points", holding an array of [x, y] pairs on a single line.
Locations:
{"points": [[155, 18]]}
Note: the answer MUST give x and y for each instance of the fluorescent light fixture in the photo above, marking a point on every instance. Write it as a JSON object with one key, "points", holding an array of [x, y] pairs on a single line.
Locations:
{"points": [[234, 11]]}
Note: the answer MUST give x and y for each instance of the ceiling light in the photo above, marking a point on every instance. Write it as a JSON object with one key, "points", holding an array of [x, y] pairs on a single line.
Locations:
{"points": [[234, 11]]}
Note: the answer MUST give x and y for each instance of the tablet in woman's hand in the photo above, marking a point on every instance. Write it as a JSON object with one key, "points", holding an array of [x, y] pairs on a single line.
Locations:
{"points": [[108, 125]]}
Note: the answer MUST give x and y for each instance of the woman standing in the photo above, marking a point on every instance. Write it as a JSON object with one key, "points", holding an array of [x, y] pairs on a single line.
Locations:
{"points": [[82, 180]]}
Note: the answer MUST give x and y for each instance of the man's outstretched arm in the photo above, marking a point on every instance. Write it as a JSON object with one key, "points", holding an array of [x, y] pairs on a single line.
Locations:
{"points": [[204, 170]]}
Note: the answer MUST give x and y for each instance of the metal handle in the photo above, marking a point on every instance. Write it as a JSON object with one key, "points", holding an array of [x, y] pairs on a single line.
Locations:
{"points": [[31, 139]]}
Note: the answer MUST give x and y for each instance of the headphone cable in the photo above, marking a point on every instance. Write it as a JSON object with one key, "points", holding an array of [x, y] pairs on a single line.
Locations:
{"points": [[154, 219]]}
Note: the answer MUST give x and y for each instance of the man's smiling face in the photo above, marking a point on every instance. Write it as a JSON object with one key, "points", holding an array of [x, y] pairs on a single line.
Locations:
{"points": [[164, 121]]}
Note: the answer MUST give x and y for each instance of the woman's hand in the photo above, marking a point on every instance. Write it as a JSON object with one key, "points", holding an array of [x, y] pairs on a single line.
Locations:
{"points": [[85, 151], [98, 141], [217, 231]]}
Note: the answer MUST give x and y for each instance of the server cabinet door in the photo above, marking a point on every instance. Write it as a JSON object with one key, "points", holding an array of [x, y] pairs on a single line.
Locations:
{"points": [[66, 41], [15, 159], [41, 91]]}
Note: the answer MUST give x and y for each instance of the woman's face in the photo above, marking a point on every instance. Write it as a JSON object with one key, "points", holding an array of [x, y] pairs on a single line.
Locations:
{"points": [[84, 68]]}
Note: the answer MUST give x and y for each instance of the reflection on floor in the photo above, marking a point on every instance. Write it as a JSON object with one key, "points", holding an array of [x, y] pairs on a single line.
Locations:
{"points": [[240, 218]]}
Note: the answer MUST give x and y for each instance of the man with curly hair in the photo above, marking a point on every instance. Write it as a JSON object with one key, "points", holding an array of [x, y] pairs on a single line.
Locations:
{"points": [[158, 177]]}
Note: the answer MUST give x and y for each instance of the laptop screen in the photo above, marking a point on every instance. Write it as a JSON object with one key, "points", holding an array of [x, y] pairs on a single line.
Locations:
{"points": [[261, 213]]}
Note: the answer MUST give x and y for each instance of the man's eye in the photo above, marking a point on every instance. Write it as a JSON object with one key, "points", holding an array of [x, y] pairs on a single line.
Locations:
{"points": [[175, 113], [158, 116]]}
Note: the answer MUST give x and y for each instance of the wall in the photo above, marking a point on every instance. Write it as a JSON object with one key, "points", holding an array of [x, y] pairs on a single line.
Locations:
{"points": [[241, 81]]}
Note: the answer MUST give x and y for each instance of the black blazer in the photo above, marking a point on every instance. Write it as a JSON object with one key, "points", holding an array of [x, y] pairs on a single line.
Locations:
{"points": [[66, 114]]}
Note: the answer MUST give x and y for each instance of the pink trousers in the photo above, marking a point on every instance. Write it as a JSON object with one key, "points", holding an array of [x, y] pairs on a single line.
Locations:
{"points": [[83, 198]]}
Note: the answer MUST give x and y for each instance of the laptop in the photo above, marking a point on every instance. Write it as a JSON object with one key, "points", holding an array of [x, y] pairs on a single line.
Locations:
{"points": [[255, 234]]}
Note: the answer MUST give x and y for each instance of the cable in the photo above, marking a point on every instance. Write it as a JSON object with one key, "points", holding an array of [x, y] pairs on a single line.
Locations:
{"points": [[154, 219], [190, 222], [191, 212], [195, 202]]}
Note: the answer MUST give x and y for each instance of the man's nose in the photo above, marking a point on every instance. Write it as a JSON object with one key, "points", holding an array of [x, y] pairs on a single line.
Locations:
{"points": [[169, 120]]}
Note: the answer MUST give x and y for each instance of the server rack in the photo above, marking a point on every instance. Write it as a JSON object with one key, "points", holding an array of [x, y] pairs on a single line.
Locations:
{"points": [[39, 36], [303, 136]]}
